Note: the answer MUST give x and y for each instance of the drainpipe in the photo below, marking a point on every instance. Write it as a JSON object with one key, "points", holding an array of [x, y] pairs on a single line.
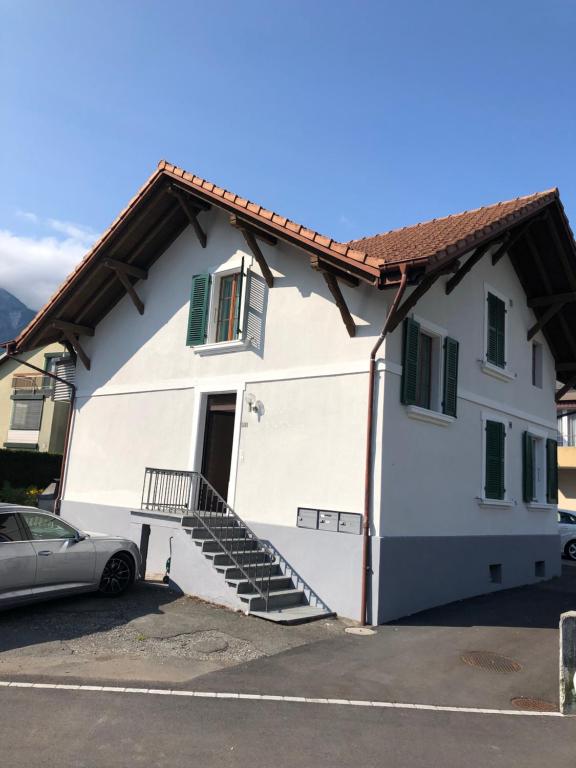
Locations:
{"points": [[58, 501], [369, 439]]}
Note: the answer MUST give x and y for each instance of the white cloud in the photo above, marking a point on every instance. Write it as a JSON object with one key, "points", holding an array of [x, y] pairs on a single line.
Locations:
{"points": [[32, 267], [73, 231]]}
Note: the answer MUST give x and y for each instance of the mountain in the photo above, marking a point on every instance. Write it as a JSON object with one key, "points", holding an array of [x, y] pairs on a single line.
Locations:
{"points": [[14, 316]]}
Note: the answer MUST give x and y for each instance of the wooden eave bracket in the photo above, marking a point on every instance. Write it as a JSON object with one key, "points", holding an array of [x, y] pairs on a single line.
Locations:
{"points": [[546, 317], [566, 388], [122, 274], [71, 333], [191, 207], [334, 289], [250, 234]]}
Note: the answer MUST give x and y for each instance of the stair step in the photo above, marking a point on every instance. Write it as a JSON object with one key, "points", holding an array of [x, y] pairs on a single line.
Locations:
{"points": [[277, 582], [211, 545], [199, 532], [257, 569], [212, 521], [297, 614], [279, 599], [244, 558]]}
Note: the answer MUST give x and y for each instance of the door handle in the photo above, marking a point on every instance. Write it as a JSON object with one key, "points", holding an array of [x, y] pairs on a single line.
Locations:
{"points": [[45, 553]]}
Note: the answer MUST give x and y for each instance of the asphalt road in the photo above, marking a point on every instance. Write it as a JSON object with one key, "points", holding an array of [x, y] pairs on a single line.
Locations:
{"points": [[65, 729]]}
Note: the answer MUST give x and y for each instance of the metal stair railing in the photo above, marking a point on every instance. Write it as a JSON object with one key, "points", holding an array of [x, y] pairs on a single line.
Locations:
{"points": [[189, 493]]}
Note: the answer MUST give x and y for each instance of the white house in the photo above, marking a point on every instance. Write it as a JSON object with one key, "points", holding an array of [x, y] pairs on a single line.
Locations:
{"points": [[238, 350]]}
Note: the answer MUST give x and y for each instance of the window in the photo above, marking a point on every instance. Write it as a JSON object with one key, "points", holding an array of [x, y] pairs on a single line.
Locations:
{"points": [[44, 527], [9, 530], [537, 365], [27, 414], [567, 428], [429, 379], [494, 460], [215, 314], [227, 323], [496, 331], [539, 469]]}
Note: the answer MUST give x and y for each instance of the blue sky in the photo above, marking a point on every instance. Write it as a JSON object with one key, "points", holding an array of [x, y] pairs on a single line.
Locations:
{"points": [[352, 117]]}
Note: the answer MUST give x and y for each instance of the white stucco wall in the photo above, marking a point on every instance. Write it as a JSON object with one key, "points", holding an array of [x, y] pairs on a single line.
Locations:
{"points": [[137, 406], [432, 474]]}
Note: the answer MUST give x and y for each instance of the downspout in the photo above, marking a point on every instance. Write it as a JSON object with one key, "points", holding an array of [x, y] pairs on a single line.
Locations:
{"points": [[369, 439], [58, 501]]}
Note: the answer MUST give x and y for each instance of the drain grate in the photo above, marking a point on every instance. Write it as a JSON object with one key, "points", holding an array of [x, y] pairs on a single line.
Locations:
{"points": [[493, 662], [533, 705]]}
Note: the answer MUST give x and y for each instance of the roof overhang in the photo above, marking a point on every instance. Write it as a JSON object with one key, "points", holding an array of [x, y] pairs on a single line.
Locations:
{"points": [[153, 219]]}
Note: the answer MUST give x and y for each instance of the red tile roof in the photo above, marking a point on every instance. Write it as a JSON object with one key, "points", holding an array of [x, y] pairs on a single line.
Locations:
{"points": [[437, 238]]}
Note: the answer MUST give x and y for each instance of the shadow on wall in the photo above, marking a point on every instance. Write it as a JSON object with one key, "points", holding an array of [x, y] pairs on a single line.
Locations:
{"points": [[57, 621], [536, 606]]}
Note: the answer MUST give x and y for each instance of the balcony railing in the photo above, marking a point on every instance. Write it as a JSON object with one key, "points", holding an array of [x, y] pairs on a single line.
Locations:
{"points": [[31, 383]]}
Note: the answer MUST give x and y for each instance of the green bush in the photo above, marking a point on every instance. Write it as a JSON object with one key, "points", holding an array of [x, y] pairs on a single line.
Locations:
{"points": [[26, 469], [26, 497]]}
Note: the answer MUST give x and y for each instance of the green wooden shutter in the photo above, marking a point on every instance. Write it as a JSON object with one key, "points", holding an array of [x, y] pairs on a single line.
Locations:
{"points": [[528, 466], [410, 361], [198, 313], [551, 471], [494, 480], [496, 352], [450, 393]]}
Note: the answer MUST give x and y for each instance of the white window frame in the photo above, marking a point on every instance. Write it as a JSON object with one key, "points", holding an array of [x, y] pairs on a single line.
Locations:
{"points": [[503, 374], [482, 499], [539, 466]]}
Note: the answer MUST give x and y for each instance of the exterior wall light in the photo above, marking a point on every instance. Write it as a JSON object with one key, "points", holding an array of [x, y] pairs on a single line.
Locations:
{"points": [[254, 406]]}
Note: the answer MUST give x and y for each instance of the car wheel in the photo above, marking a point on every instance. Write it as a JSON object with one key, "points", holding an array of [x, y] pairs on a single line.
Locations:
{"points": [[117, 576], [570, 549]]}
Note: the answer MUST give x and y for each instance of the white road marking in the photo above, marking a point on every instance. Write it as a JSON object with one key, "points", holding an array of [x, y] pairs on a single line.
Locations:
{"points": [[270, 697]]}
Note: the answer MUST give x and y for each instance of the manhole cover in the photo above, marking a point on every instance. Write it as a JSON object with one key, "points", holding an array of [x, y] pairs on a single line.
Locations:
{"points": [[533, 705], [493, 662], [359, 631]]}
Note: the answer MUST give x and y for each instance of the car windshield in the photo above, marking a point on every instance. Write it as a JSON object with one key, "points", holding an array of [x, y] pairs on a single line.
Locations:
{"points": [[566, 517]]}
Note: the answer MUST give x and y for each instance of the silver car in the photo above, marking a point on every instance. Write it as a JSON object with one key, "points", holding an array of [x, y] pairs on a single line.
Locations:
{"points": [[42, 556]]}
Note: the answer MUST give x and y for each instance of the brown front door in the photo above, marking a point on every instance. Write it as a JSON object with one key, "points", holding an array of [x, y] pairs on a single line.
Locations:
{"points": [[218, 436]]}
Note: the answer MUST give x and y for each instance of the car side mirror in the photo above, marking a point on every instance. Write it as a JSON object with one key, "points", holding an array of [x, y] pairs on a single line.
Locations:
{"points": [[79, 536]]}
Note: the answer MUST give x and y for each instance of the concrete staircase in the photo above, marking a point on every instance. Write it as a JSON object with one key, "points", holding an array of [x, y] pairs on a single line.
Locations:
{"points": [[251, 569]]}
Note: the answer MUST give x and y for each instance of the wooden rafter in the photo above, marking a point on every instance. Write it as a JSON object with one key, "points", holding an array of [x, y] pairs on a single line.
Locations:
{"points": [[511, 239], [546, 317], [423, 287], [78, 330], [334, 289], [250, 235], [552, 298], [142, 244], [545, 280], [191, 209], [128, 269], [565, 367], [129, 288], [74, 342], [566, 388], [466, 267]]}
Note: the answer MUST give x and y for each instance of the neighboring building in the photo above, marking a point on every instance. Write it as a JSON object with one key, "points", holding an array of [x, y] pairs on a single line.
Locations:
{"points": [[29, 417], [216, 337], [567, 451]]}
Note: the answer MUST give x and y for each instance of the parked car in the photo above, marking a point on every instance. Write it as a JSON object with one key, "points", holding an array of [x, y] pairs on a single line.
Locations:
{"points": [[567, 526], [43, 556]]}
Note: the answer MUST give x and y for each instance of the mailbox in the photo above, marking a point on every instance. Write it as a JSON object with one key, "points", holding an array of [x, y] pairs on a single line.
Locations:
{"points": [[328, 521], [307, 518], [350, 523]]}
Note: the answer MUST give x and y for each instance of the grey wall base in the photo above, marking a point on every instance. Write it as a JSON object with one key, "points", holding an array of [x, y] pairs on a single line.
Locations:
{"points": [[416, 573]]}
